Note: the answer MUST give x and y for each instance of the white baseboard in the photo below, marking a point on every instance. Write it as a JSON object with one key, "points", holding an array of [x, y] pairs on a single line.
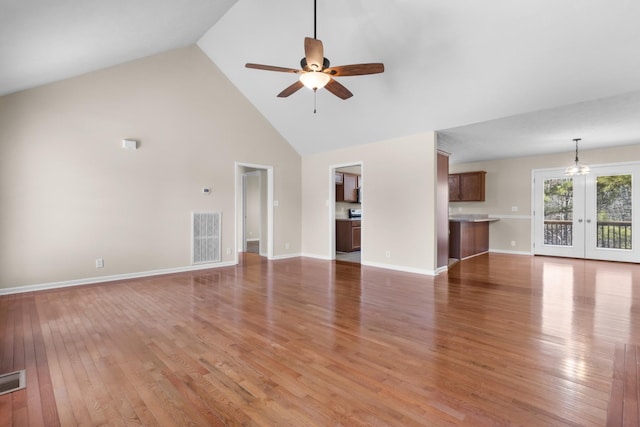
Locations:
{"points": [[113, 278], [502, 251], [442, 269], [422, 271], [380, 265], [285, 256], [316, 256]]}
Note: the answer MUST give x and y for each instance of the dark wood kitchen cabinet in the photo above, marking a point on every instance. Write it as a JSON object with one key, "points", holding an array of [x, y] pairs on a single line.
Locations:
{"points": [[348, 232], [347, 190], [467, 186], [467, 239]]}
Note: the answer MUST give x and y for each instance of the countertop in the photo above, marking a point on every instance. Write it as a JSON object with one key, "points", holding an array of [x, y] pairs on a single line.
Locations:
{"points": [[472, 218], [348, 219]]}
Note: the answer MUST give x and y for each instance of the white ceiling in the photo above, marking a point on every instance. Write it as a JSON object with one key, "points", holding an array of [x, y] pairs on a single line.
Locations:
{"points": [[42, 41], [452, 66], [605, 122]]}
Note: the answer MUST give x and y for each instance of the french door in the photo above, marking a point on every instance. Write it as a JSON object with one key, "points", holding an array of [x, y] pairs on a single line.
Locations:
{"points": [[588, 216]]}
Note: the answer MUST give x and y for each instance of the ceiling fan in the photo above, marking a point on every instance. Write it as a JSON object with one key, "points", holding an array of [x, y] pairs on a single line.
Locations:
{"points": [[316, 72]]}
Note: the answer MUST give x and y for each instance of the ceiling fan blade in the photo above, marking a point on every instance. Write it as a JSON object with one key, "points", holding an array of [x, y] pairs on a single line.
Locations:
{"points": [[314, 53], [291, 89], [356, 69], [271, 68], [338, 90]]}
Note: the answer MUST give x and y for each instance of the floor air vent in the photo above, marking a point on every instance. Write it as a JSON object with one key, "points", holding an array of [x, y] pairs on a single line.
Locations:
{"points": [[206, 237], [13, 381]]}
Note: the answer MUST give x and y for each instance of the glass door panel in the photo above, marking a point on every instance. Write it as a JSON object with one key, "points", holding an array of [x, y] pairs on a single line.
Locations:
{"points": [[558, 211], [558, 214], [611, 213]]}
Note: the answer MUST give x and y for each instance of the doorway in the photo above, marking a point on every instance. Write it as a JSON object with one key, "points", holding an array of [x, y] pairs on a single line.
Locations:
{"points": [[254, 209], [347, 184], [588, 216], [253, 218]]}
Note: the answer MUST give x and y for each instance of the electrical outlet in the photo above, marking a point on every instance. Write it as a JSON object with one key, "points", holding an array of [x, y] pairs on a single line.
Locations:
{"points": [[514, 209], [513, 243], [286, 245], [99, 263], [228, 251], [387, 254]]}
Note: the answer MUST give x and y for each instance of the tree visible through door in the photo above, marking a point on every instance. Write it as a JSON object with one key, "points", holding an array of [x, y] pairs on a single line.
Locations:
{"points": [[614, 211], [558, 211]]}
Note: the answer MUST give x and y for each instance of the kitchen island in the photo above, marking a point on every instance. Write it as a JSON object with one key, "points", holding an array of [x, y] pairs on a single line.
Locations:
{"points": [[468, 235]]}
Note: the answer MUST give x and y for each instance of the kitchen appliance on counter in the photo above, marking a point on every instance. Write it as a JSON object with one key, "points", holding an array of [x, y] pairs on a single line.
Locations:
{"points": [[355, 213]]}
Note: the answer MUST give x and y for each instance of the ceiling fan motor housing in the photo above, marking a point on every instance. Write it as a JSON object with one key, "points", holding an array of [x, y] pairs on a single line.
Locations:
{"points": [[303, 64]]}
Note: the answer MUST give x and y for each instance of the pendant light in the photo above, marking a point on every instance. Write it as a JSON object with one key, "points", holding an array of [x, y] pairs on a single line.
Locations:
{"points": [[577, 168]]}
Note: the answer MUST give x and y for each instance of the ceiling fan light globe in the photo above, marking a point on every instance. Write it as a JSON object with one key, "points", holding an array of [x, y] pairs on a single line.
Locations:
{"points": [[314, 80]]}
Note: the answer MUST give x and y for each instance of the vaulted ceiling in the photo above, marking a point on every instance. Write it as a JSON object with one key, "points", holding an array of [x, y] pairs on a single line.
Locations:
{"points": [[496, 79]]}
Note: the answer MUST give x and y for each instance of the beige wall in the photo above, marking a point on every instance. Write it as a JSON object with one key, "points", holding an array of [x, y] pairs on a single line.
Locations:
{"points": [[509, 184], [398, 213], [70, 194]]}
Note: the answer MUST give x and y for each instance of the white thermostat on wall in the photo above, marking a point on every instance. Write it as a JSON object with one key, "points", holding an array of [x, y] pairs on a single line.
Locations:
{"points": [[130, 144]]}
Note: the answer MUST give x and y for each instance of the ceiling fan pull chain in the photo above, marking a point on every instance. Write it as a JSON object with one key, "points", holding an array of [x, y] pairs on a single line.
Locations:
{"points": [[315, 100]]}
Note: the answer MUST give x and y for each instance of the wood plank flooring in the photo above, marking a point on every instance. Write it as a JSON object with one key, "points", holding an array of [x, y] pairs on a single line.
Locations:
{"points": [[623, 406], [498, 340]]}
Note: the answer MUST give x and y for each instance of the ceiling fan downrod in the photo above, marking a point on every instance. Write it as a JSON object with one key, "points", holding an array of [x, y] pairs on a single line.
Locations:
{"points": [[315, 37], [315, 10]]}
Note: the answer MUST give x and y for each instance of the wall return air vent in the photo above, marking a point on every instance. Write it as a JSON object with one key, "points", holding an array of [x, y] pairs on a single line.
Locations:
{"points": [[205, 227]]}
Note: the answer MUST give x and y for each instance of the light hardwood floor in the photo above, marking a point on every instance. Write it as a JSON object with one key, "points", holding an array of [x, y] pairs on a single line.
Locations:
{"points": [[498, 340]]}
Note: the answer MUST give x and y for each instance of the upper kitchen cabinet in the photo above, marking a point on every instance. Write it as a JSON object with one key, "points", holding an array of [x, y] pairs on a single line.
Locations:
{"points": [[347, 190], [467, 186]]}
